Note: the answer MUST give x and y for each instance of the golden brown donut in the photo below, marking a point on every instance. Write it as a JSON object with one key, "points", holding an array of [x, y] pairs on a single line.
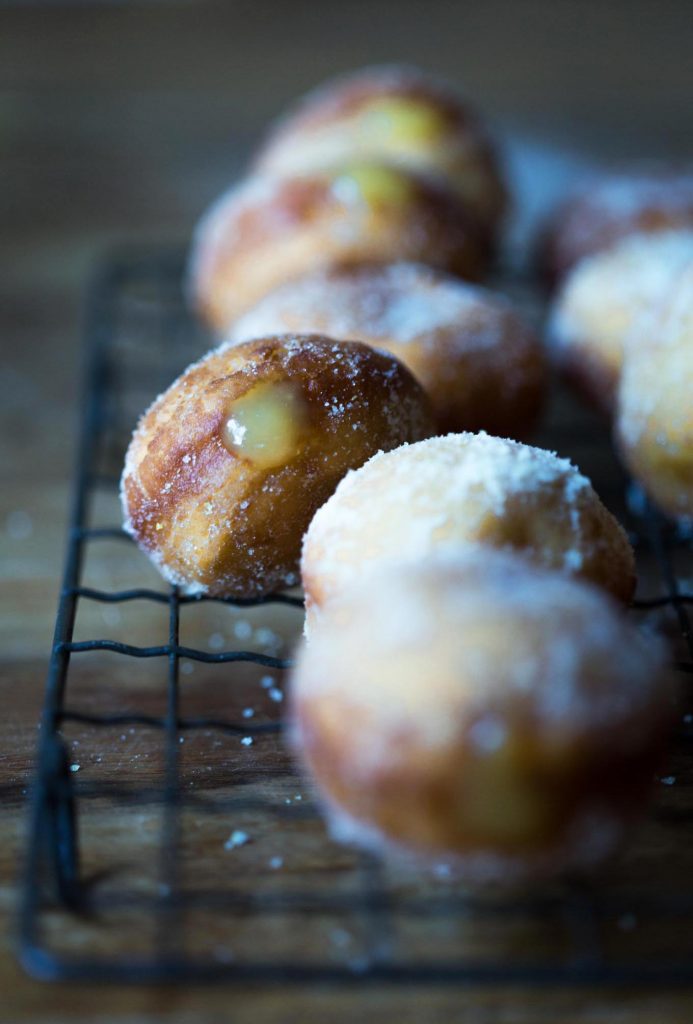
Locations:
{"points": [[602, 211], [601, 300], [480, 363], [398, 114], [268, 231], [226, 469], [655, 404], [459, 490], [481, 712]]}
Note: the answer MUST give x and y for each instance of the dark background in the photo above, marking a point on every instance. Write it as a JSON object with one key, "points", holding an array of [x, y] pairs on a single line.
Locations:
{"points": [[121, 121]]}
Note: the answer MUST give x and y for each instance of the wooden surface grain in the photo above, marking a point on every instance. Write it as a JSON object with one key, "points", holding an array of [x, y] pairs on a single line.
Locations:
{"points": [[118, 123]]}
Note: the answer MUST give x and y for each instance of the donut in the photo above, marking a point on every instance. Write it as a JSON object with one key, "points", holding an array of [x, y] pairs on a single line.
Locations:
{"points": [[460, 490], [602, 211], [268, 231], [481, 365], [226, 469], [654, 422], [394, 113], [600, 303], [475, 710]]}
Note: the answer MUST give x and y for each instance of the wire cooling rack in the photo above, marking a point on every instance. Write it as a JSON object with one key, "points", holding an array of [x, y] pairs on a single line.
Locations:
{"points": [[170, 838]]}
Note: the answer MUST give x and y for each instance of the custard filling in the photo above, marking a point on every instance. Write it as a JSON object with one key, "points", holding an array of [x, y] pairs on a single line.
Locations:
{"points": [[402, 121], [265, 425], [372, 185]]}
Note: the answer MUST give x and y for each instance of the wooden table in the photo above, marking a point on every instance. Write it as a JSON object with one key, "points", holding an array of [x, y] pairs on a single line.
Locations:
{"points": [[120, 123]]}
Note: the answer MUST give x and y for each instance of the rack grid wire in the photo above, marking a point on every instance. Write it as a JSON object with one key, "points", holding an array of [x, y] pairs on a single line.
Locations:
{"points": [[171, 840]]}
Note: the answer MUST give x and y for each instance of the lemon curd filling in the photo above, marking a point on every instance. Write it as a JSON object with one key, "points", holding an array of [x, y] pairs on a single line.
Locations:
{"points": [[372, 185], [401, 121], [265, 425], [503, 807]]}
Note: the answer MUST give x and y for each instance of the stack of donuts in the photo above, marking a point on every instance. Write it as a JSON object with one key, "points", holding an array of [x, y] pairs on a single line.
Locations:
{"points": [[360, 429]]}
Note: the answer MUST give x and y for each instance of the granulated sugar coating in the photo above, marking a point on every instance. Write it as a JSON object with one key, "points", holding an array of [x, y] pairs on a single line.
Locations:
{"points": [[596, 314], [395, 113], [210, 490], [655, 406], [480, 363], [488, 718], [261, 233], [458, 490], [643, 199]]}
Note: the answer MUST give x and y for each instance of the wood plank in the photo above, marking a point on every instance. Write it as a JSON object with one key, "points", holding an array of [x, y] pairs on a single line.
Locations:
{"points": [[120, 122]]}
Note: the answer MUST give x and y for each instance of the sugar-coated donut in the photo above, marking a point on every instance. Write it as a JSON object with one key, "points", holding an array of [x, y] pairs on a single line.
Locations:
{"points": [[459, 490], [596, 312], [226, 468], [399, 114], [480, 363], [602, 211], [481, 712], [655, 403], [268, 231]]}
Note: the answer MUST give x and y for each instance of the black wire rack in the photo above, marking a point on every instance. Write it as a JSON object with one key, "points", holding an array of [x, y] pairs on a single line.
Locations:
{"points": [[171, 840]]}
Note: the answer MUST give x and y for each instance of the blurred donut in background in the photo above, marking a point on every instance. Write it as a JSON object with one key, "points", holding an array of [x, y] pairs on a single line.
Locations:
{"points": [[481, 365], [643, 200], [398, 114], [268, 231], [595, 316], [655, 401]]}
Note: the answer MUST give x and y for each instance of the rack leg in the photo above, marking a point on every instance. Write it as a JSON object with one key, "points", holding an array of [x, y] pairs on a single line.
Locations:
{"points": [[61, 838]]}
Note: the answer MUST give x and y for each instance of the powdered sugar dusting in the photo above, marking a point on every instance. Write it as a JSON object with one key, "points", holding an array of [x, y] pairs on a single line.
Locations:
{"points": [[604, 297], [473, 607], [655, 417], [467, 658], [608, 207], [400, 302], [220, 227], [461, 489], [481, 364]]}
